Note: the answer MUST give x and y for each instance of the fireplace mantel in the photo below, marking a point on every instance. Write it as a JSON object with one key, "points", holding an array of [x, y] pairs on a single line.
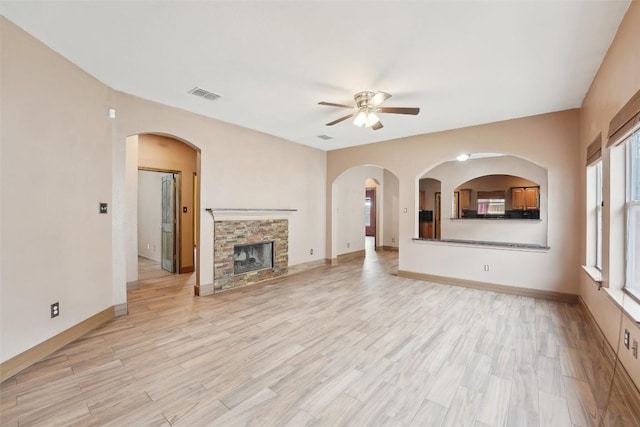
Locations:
{"points": [[221, 214], [249, 210]]}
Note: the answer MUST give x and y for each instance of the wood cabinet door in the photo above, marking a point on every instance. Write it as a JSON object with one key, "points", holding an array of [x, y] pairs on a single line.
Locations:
{"points": [[517, 198], [465, 199], [423, 202], [426, 230], [531, 198]]}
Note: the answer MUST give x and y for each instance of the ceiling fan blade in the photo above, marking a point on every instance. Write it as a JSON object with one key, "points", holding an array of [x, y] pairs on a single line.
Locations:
{"points": [[340, 120], [331, 104], [399, 110], [378, 98], [377, 125]]}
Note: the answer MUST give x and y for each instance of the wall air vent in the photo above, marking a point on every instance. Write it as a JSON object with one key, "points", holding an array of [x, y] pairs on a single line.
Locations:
{"points": [[203, 93], [325, 137]]}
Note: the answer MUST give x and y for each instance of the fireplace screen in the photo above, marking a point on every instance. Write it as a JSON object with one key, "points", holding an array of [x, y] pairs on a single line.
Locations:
{"points": [[255, 256]]}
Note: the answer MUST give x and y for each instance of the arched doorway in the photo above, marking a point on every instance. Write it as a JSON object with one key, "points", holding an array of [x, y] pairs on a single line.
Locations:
{"points": [[163, 196], [352, 220]]}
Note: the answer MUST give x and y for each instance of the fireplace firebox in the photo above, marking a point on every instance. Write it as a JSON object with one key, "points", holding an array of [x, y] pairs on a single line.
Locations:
{"points": [[252, 257]]}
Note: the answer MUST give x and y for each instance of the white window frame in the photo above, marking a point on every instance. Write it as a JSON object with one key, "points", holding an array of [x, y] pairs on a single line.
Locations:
{"points": [[598, 215], [632, 210]]}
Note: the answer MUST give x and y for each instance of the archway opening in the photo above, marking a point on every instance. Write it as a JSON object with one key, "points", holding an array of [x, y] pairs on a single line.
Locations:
{"points": [[162, 207], [364, 213]]}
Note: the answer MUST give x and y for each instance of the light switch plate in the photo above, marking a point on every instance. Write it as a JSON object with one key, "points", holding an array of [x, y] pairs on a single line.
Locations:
{"points": [[103, 208]]}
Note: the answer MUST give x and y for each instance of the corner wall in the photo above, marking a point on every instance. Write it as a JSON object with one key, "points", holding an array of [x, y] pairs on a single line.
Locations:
{"points": [[62, 155], [616, 81]]}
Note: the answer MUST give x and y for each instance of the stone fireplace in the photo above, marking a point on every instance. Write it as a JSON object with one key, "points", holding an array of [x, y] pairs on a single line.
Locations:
{"points": [[249, 251]]}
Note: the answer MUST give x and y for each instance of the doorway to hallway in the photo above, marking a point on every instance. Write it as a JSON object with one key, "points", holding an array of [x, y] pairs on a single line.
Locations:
{"points": [[158, 227]]}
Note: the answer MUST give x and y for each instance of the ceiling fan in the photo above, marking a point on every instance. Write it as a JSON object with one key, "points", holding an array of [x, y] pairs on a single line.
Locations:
{"points": [[366, 109]]}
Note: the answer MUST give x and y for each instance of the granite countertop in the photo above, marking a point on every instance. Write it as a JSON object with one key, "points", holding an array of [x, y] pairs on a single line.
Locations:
{"points": [[486, 243]]}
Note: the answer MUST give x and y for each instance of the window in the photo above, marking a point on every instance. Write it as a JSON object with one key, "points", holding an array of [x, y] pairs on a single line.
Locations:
{"points": [[367, 211], [598, 221], [594, 208], [632, 214], [491, 203], [490, 206]]}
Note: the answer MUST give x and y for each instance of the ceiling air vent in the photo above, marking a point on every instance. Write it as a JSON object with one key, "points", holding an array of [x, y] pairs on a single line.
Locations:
{"points": [[203, 93], [325, 137]]}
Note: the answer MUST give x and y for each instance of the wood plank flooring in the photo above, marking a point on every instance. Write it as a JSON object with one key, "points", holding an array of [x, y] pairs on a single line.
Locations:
{"points": [[348, 345]]}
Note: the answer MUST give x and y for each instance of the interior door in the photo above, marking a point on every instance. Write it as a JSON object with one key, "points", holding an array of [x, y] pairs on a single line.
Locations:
{"points": [[168, 223], [370, 212]]}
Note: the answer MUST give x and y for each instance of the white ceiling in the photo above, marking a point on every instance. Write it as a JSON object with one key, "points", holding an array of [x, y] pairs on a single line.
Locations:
{"points": [[461, 62]]}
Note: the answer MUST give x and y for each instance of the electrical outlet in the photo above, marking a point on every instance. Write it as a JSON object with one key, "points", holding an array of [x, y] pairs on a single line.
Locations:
{"points": [[55, 309], [486, 267], [348, 245], [393, 240], [634, 349], [626, 338], [310, 251]]}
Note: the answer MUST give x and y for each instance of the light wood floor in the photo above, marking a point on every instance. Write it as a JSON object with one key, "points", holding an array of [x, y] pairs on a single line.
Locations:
{"points": [[346, 345]]}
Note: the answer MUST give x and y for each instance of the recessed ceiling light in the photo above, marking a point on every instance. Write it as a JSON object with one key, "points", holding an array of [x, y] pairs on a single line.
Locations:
{"points": [[463, 157]]}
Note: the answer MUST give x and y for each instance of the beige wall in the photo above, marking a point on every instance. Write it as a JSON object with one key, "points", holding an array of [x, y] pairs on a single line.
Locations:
{"points": [[159, 152], [240, 168], [390, 210], [349, 207], [56, 169], [62, 155], [548, 140], [616, 81]]}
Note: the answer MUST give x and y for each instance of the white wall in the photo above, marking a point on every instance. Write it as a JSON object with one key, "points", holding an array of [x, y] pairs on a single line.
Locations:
{"points": [[452, 174], [150, 214]]}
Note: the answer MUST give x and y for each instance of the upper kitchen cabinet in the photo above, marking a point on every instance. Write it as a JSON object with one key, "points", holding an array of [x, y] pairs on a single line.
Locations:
{"points": [[525, 198]]}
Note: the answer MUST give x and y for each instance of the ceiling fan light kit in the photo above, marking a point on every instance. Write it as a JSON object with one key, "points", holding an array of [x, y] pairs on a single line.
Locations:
{"points": [[366, 109]]}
